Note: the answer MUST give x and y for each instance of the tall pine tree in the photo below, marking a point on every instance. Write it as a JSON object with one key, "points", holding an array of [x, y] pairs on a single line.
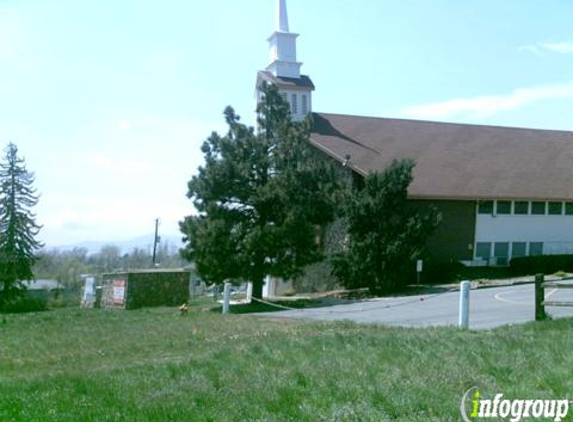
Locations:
{"points": [[262, 197], [18, 227]]}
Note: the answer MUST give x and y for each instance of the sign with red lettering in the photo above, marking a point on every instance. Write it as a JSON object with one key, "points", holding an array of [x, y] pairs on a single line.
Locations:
{"points": [[119, 291]]}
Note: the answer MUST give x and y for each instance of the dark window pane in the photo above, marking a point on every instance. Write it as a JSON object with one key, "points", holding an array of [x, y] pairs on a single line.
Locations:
{"points": [[569, 208], [518, 249], [485, 207], [501, 252], [483, 250], [504, 207], [556, 208], [294, 104], [538, 208], [521, 207], [536, 248]]}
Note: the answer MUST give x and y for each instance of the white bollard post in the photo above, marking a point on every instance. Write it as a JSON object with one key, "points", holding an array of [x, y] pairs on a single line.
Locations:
{"points": [[226, 298], [191, 286], [464, 321], [249, 292]]}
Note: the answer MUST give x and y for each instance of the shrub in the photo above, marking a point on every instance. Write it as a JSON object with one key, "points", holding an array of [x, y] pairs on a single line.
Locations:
{"points": [[65, 297], [386, 232], [546, 264], [442, 272], [455, 271], [25, 304]]}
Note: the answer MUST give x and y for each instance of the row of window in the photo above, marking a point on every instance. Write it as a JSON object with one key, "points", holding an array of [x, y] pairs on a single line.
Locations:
{"points": [[503, 251], [294, 103], [525, 208]]}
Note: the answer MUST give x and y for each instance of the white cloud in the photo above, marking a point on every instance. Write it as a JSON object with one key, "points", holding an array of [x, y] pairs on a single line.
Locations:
{"points": [[564, 47], [559, 47], [115, 183], [108, 218], [486, 106]]}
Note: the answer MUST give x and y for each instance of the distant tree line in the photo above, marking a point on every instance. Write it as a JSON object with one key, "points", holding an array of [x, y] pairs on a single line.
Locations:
{"points": [[67, 266]]}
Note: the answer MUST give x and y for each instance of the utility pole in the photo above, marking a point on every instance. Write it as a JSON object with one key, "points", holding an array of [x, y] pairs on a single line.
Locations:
{"points": [[156, 240]]}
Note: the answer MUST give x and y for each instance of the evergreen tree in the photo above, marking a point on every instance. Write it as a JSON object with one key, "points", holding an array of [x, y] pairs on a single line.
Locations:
{"points": [[386, 233], [262, 197], [18, 227]]}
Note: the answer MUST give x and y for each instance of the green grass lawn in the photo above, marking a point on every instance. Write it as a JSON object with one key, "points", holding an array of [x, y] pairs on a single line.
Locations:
{"points": [[155, 365]]}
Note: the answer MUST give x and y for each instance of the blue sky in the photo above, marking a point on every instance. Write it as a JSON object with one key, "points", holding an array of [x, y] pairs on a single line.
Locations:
{"points": [[109, 101]]}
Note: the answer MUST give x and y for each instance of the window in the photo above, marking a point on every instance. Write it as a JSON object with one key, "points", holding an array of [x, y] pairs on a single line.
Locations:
{"points": [[569, 208], [521, 207], [501, 252], [304, 104], [556, 208], [503, 207], [294, 104], [485, 207], [518, 249], [535, 248], [284, 95], [483, 250], [538, 208]]}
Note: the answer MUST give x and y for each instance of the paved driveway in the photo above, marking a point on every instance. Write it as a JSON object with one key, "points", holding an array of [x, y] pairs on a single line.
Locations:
{"points": [[489, 308]]}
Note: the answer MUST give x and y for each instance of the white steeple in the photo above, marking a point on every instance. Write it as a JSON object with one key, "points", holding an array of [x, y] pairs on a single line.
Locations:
{"points": [[282, 45], [282, 17], [284, 71]]}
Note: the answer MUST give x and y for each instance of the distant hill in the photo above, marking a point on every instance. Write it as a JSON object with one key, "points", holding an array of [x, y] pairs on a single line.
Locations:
{"points": [[126, 246]]}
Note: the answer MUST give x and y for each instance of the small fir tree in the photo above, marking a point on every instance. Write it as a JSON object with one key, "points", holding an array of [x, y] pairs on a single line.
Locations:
{"points": [[18, 227]]}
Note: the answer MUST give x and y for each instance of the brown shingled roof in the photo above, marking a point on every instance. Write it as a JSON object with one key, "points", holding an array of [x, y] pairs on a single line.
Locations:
{"points": [[455, 161]]}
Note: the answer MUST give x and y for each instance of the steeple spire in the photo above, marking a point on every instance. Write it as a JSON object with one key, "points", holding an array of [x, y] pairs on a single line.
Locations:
{"points": [[283, 46], [282, 17]]}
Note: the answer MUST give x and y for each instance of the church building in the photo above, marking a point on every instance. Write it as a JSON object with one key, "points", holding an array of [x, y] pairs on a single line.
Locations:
{"points": [[503, 192]]}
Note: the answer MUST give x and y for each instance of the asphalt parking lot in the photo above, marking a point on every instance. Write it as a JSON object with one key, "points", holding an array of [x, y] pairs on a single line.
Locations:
{"points": [[489, 308]]}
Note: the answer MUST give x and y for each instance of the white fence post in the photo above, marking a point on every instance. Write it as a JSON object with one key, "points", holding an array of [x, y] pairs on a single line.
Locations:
{"points": [[191, 286], [249, 292], [226, 298], [464, 321]]}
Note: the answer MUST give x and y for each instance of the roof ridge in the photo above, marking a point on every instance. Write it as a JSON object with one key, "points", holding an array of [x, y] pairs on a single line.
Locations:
{"points": [[434, 122]]}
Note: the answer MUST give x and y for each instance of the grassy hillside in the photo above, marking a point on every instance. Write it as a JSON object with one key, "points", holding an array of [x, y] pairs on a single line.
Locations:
{"points": [[154, 365]]}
